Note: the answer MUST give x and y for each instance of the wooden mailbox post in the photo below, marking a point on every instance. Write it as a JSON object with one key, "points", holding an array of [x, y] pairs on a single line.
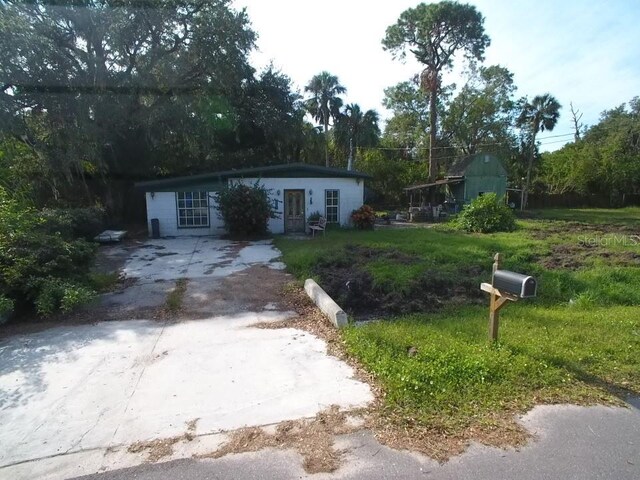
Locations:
{"points": [[505, 286]]}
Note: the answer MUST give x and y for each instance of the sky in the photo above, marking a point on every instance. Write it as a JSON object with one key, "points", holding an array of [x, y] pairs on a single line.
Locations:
{"points": [[581, 51]]}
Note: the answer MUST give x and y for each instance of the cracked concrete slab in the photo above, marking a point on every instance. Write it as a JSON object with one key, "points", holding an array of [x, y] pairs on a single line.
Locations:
{"points": [[137, 301], [198, 257], [90, 390], [77, 388]]}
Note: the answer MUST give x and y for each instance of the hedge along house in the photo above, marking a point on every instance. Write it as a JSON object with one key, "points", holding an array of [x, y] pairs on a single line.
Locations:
{"points": [[187, 205], [466, 179]]}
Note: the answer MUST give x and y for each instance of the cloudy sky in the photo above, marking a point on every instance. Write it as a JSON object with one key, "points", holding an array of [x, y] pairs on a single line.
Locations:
{"points": [[582, 51]]}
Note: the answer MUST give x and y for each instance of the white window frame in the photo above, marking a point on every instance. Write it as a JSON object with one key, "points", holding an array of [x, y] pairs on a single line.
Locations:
{"points": [[335, 199], [182, 205]]}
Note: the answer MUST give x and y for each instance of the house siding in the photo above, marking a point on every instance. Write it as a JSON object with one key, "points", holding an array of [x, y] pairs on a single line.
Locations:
{"points": [[484, 176], [351, 195], [162, 205]]}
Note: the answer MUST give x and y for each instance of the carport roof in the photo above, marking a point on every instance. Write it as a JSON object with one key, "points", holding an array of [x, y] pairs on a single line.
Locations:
{"points": [[446, 181], [214, 181]]}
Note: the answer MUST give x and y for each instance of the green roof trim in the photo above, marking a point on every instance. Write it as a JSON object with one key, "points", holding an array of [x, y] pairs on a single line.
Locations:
{"points": [[217, 180]]}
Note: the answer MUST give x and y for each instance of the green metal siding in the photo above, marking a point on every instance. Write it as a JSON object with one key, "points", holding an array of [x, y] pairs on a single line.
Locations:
{"points": [[485, 174], [485, 184]]}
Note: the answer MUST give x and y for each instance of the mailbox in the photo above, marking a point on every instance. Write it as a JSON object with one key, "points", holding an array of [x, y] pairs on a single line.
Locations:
{"points": [[523, 286]]}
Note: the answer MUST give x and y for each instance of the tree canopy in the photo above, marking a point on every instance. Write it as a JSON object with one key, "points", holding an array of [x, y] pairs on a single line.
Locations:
{"points": [[356, 128], [325, 103], [605, 160], [480, 116], [136, 89], [539, 115]]}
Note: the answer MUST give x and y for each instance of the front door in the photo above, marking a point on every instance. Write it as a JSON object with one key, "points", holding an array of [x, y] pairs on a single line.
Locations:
{"points": [[294, 220]]}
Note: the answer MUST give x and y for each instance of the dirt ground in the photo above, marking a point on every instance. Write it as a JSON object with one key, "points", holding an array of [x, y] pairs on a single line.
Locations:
{"points": [[574, 257], [345, 278]]}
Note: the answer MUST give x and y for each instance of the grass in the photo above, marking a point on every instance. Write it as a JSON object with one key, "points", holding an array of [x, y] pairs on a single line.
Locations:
{"points": [[619, 216], [577, 342], [601, 272], [175, 297], [104, 282], [545, 355]]}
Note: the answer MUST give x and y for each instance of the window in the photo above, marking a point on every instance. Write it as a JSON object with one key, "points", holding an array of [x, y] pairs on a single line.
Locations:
{"points": [[332, 205], [193, 209]]}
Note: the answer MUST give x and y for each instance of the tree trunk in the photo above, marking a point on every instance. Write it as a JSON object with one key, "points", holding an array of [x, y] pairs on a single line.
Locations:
{"points": [[350, 162], [433, 118], [433, 162], [527, 183], [326, 142]]}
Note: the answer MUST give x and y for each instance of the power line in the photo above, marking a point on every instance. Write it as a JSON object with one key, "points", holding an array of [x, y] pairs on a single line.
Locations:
{"points": [[404, 149], [556, 136], [556, 141]]}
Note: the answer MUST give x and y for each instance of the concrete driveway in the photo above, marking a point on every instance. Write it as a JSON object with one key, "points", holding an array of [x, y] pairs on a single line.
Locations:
{"points": [[73, 398]]}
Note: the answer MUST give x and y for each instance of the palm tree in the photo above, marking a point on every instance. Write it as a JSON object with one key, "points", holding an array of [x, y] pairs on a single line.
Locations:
{"points": [[324, 103], [359, 129], [540, 114]]}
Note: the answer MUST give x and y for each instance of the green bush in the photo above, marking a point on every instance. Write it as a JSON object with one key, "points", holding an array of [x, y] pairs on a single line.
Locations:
{"points": [[314, 217], [56, 295], [487, 214], [35, 263], [363, 218], [6, 306], [245, 209], [74, 222]]}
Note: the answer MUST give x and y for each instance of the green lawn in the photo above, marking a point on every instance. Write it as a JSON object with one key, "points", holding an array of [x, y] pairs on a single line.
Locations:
{"points": [[579, 341], [622, 216]]}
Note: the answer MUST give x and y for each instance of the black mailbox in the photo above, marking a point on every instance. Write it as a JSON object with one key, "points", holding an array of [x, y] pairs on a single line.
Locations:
{"points": [[523, 286]]}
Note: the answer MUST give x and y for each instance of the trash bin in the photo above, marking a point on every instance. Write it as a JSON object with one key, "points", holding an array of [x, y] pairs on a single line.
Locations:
{"points": [[155, 228]]}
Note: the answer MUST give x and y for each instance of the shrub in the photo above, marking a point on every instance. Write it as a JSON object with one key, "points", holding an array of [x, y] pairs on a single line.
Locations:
{"points": [[6, 306], [75, 295], [314, 217], [74, 222], [245, 209], [56, 295], [32, 260], [364, 218], [487, 214]]}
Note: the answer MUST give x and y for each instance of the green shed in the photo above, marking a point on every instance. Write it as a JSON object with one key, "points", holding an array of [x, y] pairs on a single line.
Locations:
{"points": [[480, 173], [467, 179]]}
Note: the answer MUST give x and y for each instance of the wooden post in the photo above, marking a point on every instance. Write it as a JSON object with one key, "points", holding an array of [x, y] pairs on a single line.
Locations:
{"points": [[494, 315], [498, 300]]}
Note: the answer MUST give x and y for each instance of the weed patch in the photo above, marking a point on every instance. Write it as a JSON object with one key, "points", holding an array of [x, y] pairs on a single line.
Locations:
{"points": [[176, 296], [163, 447], [313, 439], [104, 282]]}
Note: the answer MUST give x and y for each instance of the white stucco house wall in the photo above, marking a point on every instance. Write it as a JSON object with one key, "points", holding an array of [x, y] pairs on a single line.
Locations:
{"points": [[187, 205]]}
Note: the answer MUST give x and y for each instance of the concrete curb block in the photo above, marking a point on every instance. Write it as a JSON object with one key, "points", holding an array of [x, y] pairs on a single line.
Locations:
{"points": [[325, 303]]}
